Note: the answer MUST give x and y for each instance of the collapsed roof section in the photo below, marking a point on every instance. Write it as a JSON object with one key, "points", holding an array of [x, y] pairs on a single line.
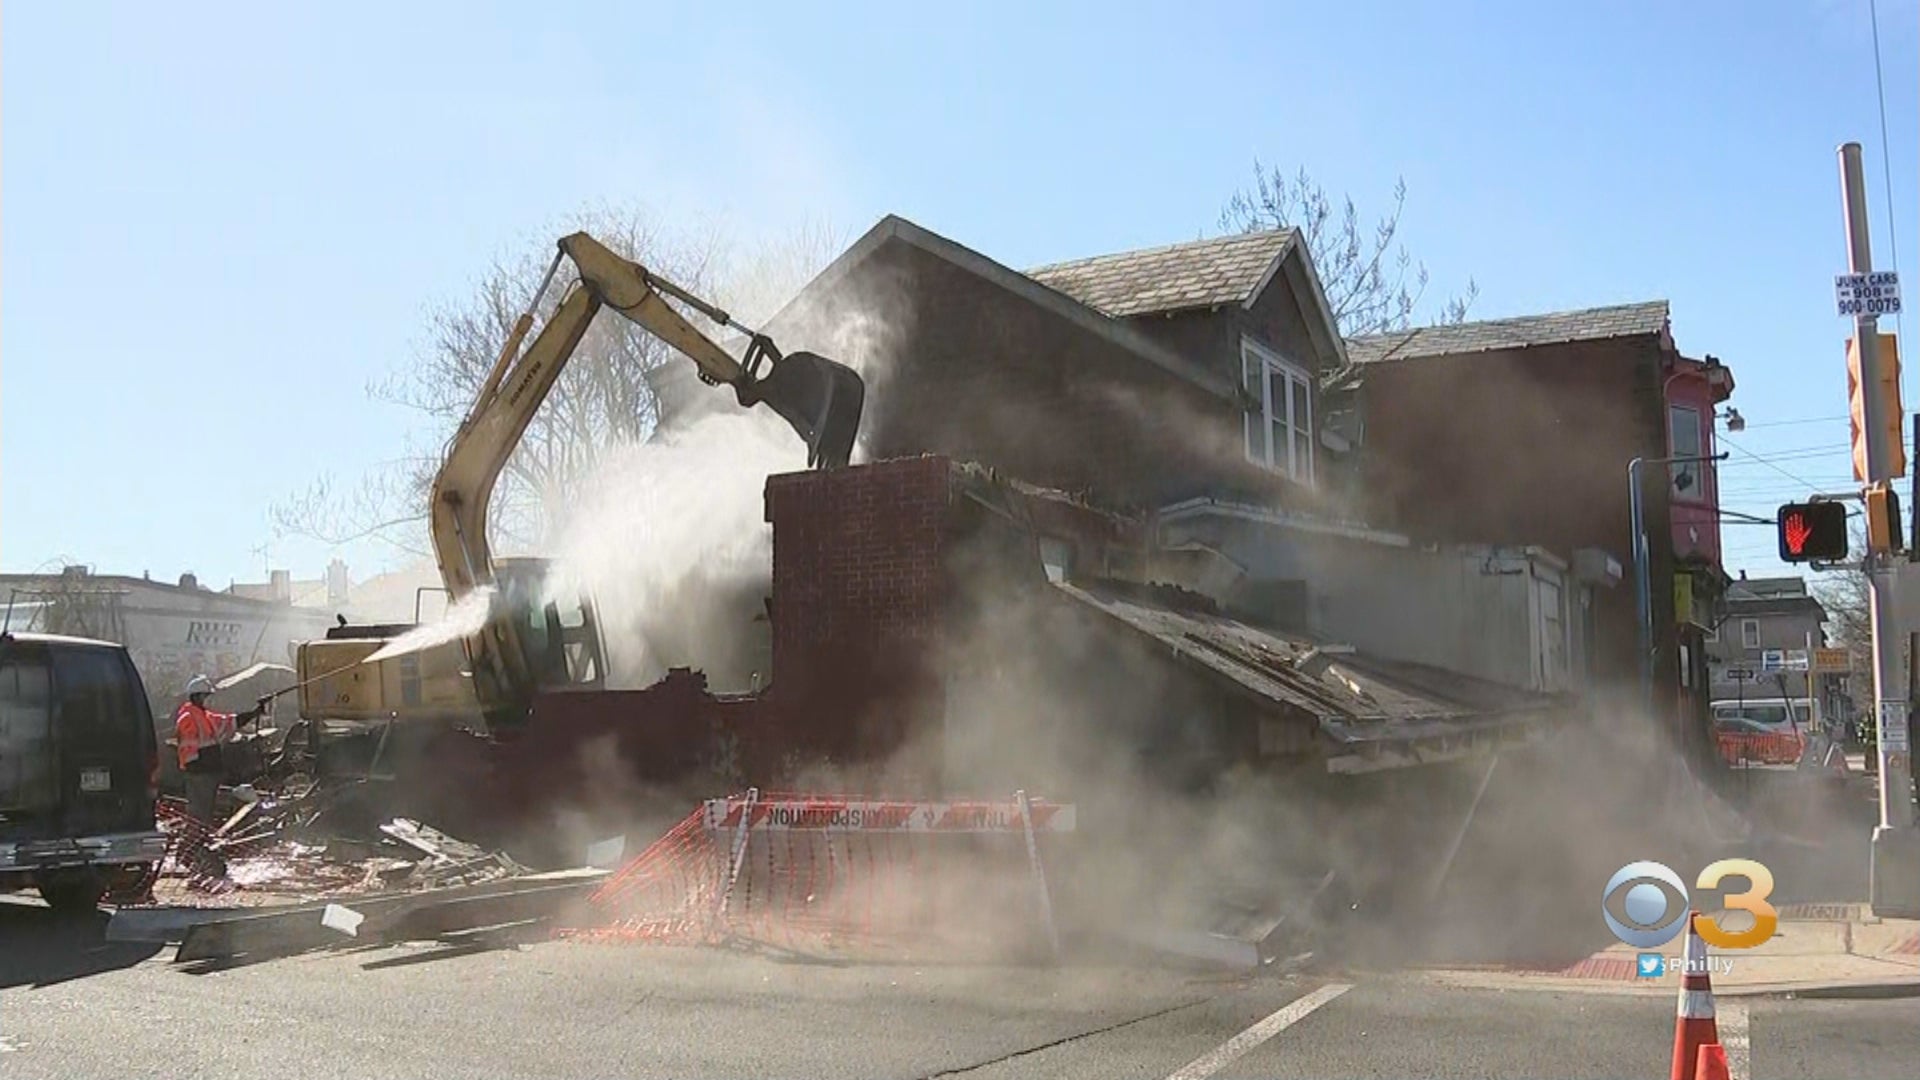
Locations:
{"points": [[1366, 713], [1359, 712]]}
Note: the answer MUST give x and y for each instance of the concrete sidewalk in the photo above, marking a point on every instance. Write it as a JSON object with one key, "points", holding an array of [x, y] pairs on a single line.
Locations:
{"points": [[1833, 950]]}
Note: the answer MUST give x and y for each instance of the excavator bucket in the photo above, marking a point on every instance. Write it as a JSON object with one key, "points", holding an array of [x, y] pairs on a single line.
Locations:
{"points": [[821, 399]]}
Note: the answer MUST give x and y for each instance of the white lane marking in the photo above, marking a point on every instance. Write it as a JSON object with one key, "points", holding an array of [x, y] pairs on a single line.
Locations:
{"points": [[1224, 1054], [1732, 1025], [8, 1046]]}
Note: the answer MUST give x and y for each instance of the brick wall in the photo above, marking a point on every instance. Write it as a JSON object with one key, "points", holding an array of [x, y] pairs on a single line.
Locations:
{"points": [[859, 599]]}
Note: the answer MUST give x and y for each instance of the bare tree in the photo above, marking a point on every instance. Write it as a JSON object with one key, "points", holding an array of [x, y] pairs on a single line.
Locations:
{"points": [[1372, 284], [603, 398], [1844, 595]]}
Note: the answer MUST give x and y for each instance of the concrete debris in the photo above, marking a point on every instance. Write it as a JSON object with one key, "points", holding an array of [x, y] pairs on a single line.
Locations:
{"points": [[1196, 947], [1245, 934], [607, 853], [344, 919]]}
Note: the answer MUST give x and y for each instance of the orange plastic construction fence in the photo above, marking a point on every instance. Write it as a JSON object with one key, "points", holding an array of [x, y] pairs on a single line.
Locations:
{"points": [[829, 873], [1742, 748]]}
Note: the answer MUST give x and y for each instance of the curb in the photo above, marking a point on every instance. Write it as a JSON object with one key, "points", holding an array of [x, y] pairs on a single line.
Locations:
{"points": [[1842, 991], [1835, 990]]}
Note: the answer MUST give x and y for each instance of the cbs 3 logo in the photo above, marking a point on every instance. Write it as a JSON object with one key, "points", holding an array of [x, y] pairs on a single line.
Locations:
{"points": [[1646, 904]]}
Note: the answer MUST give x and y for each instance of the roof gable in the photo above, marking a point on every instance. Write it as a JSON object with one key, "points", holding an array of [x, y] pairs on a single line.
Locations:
{"points": [[895, 229], [1177, 277], [1201, 275], [1776, 605], [1647, 319]]}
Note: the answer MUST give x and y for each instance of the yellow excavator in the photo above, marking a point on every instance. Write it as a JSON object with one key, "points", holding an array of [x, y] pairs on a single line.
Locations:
{"points": [[530, 642]]}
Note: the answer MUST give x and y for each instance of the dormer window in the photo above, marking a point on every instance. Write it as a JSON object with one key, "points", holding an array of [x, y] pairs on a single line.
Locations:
{"points": [[1279, 433]]}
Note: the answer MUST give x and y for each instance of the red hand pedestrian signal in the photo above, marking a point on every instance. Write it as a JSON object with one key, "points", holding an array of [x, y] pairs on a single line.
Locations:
{"points": [[1813, 532], [1796, 530]]}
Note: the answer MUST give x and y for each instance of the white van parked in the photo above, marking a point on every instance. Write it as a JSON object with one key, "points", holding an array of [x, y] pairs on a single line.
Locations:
{"points": [[1775, 715]]}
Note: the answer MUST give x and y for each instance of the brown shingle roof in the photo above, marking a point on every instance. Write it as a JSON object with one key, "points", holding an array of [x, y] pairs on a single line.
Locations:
{"points": [[1179, 277], [1592, 324]]}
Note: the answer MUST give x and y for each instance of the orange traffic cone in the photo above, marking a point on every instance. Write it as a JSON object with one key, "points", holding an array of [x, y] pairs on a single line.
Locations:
{"points": [[1712, 1063], [1694, 1027]]}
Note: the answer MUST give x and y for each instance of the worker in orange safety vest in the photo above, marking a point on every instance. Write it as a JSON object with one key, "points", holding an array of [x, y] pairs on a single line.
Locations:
{"points": [[201, 732]]}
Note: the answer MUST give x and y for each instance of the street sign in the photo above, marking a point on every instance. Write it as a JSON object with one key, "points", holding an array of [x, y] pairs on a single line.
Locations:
{"points": [[1876, 293], [1774, 660], [1893, 727], [1831, 661], [1741, 674]]}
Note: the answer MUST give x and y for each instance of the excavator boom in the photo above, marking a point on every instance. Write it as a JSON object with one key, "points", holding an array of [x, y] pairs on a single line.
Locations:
{"points": [[820, 399]]}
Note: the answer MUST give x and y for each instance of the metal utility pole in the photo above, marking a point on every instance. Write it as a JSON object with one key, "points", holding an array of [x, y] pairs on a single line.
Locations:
{"points": [[1896, 851]]}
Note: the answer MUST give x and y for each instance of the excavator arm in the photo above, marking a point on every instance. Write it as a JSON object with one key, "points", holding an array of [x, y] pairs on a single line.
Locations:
{"points": [[822, 400]]}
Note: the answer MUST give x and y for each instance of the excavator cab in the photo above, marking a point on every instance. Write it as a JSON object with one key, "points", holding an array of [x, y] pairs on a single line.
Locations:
{"points": [[548, 643]]}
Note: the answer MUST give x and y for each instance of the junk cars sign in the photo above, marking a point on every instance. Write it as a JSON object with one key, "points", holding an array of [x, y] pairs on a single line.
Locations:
{"points": [[1876, 293]]}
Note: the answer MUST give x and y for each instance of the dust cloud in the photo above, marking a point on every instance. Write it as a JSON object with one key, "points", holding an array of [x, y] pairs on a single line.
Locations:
{"points": [[669, 536], [1177, 841], [865, 326], [670, 541]]}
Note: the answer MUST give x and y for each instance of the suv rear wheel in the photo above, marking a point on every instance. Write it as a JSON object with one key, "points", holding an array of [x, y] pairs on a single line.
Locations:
{"points": [[73, 894]]}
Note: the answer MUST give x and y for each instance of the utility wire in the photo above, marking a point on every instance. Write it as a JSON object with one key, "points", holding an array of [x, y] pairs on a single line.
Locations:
{"points": [[1748, 453], [1886, 154], [1803, 420]]}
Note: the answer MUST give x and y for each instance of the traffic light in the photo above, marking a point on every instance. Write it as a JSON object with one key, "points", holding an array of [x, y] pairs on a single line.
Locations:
{"points": [[1883, 521], [1813, 532], [1888, 393]]}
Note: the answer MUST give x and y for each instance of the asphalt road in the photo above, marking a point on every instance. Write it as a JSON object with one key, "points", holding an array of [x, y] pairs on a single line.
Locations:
{"points": [[73, 1007]]}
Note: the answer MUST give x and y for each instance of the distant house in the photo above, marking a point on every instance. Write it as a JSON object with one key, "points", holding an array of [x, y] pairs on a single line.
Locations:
{"points": [[1764, 615], [1520, 431], [330, 591], [173, 630]]}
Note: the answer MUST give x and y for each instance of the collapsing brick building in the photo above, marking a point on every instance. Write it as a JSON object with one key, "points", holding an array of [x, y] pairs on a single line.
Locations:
{"points": [[1099, 494], [920, 605]]}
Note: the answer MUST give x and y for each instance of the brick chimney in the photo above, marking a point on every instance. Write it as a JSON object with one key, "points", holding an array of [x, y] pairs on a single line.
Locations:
{"points": [[857, 593]]}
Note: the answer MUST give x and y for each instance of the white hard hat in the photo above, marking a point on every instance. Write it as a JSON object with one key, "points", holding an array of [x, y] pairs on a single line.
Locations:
{"points": [[199, 684]]}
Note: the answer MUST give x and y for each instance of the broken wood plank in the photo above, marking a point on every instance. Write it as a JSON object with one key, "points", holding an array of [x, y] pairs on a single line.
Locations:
{"points": [[297, 928]]}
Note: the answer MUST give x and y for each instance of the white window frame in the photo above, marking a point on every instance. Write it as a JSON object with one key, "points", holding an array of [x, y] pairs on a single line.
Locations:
{"points": [[1256, 358], [1697, 490], [1749, 633]]}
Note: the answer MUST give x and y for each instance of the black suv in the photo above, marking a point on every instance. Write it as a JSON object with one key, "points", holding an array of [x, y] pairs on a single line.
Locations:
{"points": [[79, 770]]}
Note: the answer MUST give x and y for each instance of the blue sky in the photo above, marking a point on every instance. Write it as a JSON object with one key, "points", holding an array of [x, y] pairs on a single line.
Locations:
{"points": [[221, 223]]}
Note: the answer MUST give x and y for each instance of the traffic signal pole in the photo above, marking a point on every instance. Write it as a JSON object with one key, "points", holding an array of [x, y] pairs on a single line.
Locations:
{"points": [[1896, 849]]}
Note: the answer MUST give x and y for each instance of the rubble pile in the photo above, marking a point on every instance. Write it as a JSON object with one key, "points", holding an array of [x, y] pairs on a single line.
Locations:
{"points": [[288, 847], [322, 865]]}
